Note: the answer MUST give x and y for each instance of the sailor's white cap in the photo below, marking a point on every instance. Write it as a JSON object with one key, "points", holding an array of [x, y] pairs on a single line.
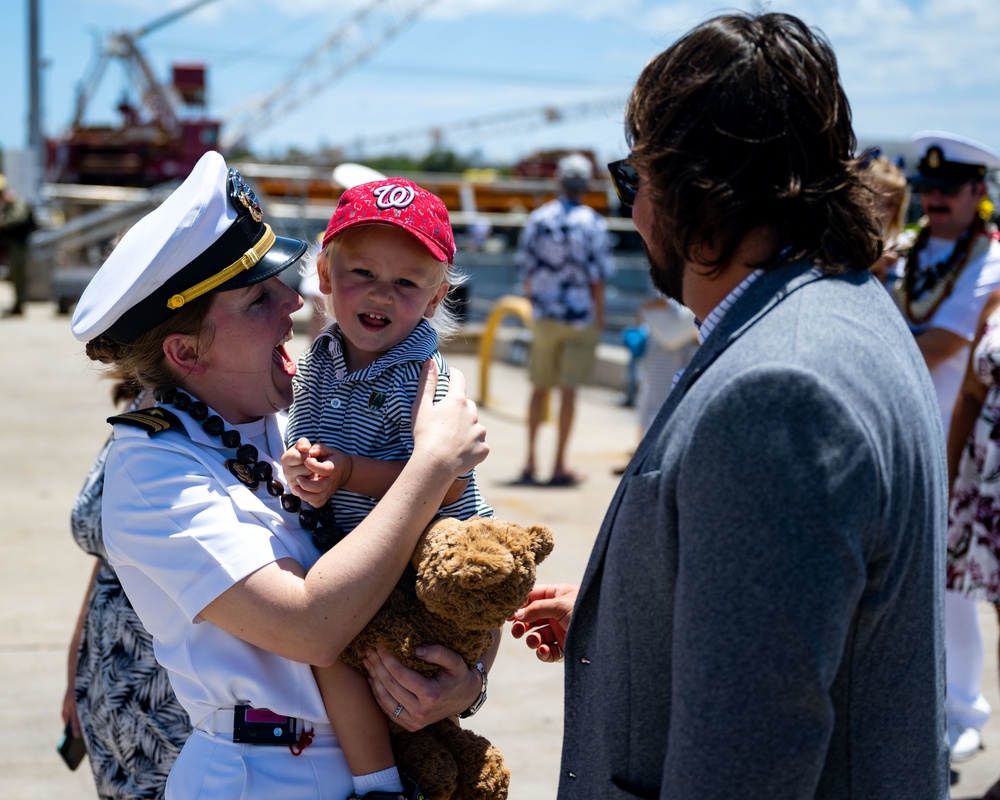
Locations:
{"points": [[207, 236], [947, 158]]}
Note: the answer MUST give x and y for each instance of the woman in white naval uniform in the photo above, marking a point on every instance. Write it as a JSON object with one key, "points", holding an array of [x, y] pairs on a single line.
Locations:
{"points": [[223, 567]]}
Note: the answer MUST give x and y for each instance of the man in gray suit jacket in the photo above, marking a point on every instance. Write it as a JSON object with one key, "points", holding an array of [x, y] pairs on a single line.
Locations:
{"points": [[761, 616]]}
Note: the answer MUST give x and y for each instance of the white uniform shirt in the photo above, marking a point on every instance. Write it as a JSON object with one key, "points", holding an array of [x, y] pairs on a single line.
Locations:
{"points": [[959, 314], [180, 530]]}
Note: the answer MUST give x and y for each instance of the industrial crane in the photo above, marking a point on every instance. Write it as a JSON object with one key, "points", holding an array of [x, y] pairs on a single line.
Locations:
{"points": [[157, 140], [123, 46], [348, 47], [163, 138], [501, 123]]}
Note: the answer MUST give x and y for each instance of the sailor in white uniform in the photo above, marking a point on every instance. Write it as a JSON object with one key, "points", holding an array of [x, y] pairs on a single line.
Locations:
{"points": [[216, 556], [950, 272]]}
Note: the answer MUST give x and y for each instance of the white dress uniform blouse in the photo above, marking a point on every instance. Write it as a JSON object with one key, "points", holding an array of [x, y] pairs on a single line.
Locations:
{"points": [[176, 545]]}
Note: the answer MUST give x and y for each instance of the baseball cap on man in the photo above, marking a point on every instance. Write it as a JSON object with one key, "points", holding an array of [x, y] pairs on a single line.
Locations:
{"points": [[399, 202], [575, 165], [208, 236], [949, 159]]}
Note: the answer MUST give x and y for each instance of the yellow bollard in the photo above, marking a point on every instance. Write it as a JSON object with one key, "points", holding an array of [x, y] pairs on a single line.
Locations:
{"points": [[507, 306]]}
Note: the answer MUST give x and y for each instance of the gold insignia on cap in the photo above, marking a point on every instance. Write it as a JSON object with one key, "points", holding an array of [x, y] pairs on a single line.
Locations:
{"points": [[934, 157], [253, 207], [247, 261], [241, 193]]}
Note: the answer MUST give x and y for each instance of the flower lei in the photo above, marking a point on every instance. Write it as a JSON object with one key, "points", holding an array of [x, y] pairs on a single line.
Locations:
{"points": [[922, 291]]}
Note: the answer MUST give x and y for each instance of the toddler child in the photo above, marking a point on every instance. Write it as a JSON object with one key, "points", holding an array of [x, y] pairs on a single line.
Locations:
{"points": [[385, 267]]}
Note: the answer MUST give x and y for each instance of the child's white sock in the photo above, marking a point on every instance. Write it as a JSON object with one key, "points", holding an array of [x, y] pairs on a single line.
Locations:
{"points": [[385, 780]]}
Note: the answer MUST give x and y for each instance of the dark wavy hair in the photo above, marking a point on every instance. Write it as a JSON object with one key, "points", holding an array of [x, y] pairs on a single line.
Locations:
{"points": [[743, 123]]}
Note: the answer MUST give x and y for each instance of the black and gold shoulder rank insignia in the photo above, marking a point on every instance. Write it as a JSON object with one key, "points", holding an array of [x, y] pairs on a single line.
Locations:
{"points": [[151, 420]]}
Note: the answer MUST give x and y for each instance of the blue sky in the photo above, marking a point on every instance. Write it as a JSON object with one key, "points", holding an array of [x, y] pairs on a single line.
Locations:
{"points": [[906, 64]]}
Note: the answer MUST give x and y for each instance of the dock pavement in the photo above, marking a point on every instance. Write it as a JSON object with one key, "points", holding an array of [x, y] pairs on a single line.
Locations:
{"points": [[55, 405]]}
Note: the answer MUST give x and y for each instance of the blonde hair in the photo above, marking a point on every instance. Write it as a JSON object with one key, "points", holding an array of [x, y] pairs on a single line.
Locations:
{"points": [[143, 361], [885, 179], [445, 320]]}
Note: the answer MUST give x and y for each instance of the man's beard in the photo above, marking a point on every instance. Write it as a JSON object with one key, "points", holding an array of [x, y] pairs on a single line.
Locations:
{"points": [[666, 270]]}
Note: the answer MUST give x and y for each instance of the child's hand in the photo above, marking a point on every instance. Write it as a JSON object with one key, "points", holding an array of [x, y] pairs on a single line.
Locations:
{"points": [[293, 463], [315, 472], [544, 619]]}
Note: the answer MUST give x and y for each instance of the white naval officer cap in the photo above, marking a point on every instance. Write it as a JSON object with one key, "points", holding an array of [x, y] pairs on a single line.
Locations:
{"points": [[207, 236], [947, 158]]}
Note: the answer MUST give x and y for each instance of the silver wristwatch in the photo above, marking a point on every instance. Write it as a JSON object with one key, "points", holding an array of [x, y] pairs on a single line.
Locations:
{"points": [[478, 704]]}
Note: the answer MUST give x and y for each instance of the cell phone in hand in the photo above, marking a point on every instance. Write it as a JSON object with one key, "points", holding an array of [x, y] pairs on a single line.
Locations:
{"points": [[71, 748]]}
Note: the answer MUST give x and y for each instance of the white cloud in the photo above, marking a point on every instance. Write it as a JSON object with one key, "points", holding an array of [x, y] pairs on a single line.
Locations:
{"points": [[906, 64]]}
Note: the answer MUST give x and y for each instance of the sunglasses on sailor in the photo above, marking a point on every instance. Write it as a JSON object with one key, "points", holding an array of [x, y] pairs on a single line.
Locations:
{"points": [[626, 180], [947, 189]]}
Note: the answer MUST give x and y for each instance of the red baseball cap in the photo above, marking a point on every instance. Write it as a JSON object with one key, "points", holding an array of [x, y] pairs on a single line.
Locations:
{"points": [[396, 201]]}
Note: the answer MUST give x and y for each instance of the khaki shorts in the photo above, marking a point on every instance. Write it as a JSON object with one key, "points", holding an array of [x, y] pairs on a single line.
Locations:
{"points": [[561, 355]]}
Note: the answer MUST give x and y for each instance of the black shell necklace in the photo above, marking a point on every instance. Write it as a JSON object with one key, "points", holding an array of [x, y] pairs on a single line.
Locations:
{"points": [[249, 470]]}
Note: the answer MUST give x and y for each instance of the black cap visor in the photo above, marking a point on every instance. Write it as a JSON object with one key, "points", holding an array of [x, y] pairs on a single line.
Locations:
{"points": [[939, 172], [231, 246], [283, 253], [923, 182]]}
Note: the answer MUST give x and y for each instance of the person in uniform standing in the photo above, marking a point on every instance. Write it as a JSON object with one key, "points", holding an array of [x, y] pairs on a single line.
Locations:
{"points": [[219, 560], [17, 221], [950, 272]]}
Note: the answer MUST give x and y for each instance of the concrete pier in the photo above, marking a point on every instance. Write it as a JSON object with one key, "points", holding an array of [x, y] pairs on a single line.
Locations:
{"points": [[55, 405]]}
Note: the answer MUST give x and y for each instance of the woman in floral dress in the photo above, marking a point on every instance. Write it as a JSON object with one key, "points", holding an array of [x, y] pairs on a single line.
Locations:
{"points": [[119, 696], [974, 473]]}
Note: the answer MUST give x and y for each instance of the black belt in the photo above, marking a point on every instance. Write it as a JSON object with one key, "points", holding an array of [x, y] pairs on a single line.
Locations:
{"points": [[260, 726]]}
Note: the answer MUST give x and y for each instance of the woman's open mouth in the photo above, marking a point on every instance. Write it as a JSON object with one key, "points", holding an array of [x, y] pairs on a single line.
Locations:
{"points": [[279, 355]]}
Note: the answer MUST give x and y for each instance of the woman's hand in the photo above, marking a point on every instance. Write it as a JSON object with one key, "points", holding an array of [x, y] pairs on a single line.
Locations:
{"points": [[545, 619], [69, 710], [424, 700], [447, 432]]}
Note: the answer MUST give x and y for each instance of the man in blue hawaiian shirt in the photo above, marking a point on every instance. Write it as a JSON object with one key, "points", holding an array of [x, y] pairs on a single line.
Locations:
{"points": [[564, 258]]}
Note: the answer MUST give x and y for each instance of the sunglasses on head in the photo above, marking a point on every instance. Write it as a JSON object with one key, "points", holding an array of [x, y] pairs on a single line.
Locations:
{"points": [[947, 189], [626, 180]]}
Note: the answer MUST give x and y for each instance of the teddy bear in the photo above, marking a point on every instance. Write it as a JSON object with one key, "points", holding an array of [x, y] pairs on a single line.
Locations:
{"points": [[471, 576]]}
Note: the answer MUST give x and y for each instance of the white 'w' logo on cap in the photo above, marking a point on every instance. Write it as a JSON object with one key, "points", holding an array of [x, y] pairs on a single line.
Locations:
{"points": [[392, 196]]}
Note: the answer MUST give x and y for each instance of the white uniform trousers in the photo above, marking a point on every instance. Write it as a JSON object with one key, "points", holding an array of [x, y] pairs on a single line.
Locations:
{"points": [[963, 646], [213, 767]]}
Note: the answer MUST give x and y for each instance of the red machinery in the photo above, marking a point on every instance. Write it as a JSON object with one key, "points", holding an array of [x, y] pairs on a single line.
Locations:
{"points": [[164, 132], [160, 137]]}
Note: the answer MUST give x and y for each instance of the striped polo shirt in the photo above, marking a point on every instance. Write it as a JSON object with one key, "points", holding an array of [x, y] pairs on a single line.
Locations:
{"points": [[369, 412]]}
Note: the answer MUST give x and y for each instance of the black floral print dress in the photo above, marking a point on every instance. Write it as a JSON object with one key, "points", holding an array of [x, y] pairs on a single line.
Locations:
{"points": [[133, 725], [974, 514]]}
